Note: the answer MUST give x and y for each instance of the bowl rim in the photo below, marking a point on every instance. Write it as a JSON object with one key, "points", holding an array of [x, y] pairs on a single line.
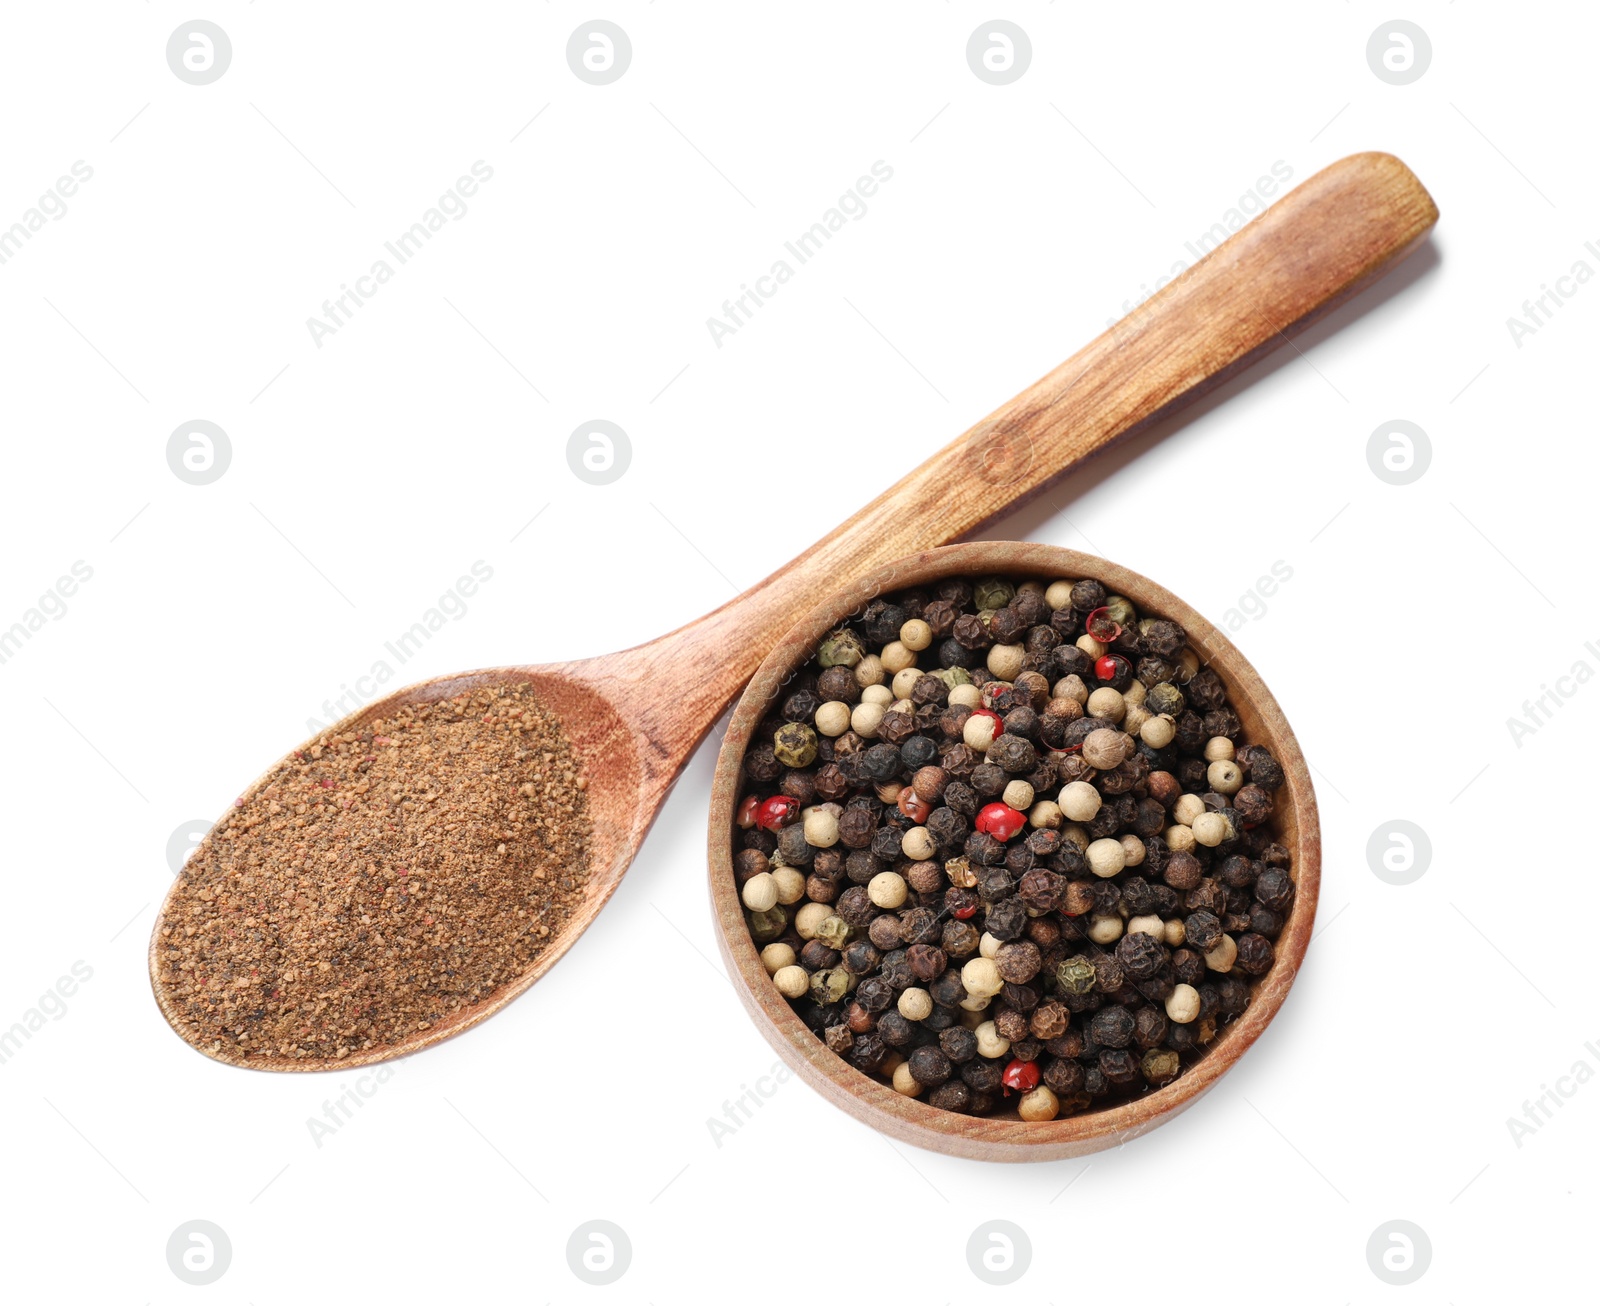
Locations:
{"points": [[909, 1119]]}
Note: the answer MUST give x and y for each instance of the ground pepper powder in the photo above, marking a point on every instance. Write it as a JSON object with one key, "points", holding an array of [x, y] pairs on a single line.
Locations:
{"points": [[377, 883]]}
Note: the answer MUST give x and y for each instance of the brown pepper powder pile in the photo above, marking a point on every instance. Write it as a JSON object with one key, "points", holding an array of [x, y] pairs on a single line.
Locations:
{"points": [[378, 883]]}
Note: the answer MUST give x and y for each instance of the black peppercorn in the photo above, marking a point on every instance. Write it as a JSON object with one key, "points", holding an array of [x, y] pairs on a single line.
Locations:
{"points": [[874, 994], [884, 931], [895, 1030], [817, 955], [959, 1044], [1111, 1027], [1017, 962], [927, 961], [869, 1053], [1141, 955], [929, 1066], [948, 990], [895, 970], [1188, 966], [1265, 921], [1274, 889], [1049, 1020], [1149, 1027], [952, 1096], [859, 958], [1006, 919], [1255, 954], [1201, 929]]}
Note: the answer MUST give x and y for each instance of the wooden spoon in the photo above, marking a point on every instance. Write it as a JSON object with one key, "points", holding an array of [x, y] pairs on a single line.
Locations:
{"points": [[1320, 244]]}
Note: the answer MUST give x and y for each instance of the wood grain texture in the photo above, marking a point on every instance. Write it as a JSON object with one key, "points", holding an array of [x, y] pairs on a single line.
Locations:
{"points": [[1317, 246], [1005, 1137]]}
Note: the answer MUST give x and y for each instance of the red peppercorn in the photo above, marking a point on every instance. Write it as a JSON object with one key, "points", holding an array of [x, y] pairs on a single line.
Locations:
{"points": [[1001, 821], [999, 725], [1023, 1076], [747, 812], [967, 912], [1100, 626], [1109, 667], [777, 812]]}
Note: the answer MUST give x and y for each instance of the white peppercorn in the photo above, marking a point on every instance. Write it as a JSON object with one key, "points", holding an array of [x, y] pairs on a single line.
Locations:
{"points": [[1006, 660], [978, 733], [833, 719], [1058, 594], [1017, 794], [1091, 646], [915, 1004], [981, 977], [916, 635], [917, 844], [988, 945], [965, 696], [865, 718], [880, 694], [1210, 829], [1221, 955], [1188, 809], [792, 981], [886, 889], [1071, 687], [809, 917], [821, 827], [1172, 933], [1106, 857], [1180, 839], [1105, 929], [1151, 925], [1225, 777], [791, 885], [905, 680], [1158, 731], [904, 1081], [1133, 850], [896, 657], [1039, 1104], [869, 671], [1183, 1005], [1106, 704], [775, 956], [760, 892], [1080, 801], [1219, 748], [990, 1044], [1045, 815]]}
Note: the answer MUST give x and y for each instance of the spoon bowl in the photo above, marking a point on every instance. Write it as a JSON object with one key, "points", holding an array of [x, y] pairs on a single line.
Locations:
{"points": [[1003, 1136]]}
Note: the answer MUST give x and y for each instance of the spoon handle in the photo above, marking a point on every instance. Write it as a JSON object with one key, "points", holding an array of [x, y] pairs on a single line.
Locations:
{"points": [[1318, 245]]}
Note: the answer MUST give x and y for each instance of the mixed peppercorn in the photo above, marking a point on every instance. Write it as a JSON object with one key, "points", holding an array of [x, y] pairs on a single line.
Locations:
{"points": [[1003, 845]]}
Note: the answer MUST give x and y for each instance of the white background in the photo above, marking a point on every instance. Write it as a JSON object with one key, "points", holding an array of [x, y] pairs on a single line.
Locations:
{"points": [[425, 434]]}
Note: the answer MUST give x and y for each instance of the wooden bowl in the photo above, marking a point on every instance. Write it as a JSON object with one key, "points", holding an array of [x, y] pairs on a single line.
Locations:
{"points": [[1006, 1137]]}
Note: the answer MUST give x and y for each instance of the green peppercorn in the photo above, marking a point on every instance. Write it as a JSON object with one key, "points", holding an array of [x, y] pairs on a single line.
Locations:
{"points": [[795, 744], [1158, 1065], [835, 932], [843, 648], [765, 926], [830, 986], [953, 676], [1075, 975], [992, 592]]}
